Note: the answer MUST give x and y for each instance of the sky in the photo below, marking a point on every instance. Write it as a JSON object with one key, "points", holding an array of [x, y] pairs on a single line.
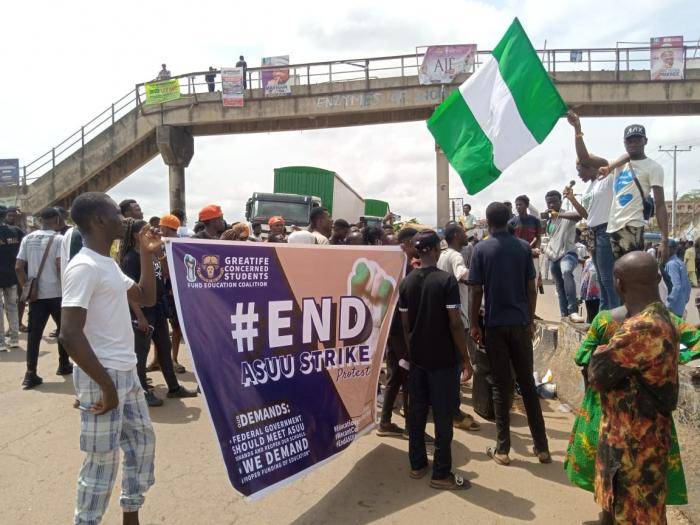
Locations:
{"points": [[63, 63]]}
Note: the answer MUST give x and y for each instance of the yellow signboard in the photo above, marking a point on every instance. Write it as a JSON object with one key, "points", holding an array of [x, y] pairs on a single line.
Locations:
{"points": [[164, 91]]}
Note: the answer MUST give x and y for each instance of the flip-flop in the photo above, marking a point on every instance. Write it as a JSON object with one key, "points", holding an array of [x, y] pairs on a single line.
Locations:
{"points": [[457, 482], [491, 452], [420, 473]]}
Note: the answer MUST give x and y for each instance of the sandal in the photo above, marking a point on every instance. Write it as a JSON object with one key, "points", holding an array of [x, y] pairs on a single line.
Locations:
{"points": [[491, 452], [179, 369], [467, 423], [420, 473], [452, 482]]}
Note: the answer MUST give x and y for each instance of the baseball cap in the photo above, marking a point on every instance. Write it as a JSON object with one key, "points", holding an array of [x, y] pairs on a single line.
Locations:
{"points": [[635, 130], [425, 240], [170, 221], [210, 212]]}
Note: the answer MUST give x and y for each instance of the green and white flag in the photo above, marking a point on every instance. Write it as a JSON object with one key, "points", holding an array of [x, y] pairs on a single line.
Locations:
{"points": [[501, 112]]}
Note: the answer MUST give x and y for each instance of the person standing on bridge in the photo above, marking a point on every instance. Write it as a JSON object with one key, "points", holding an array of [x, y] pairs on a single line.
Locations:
{"points": [[163, 74], [636, 374], [97, 334], [210, 78], [242, 64]]}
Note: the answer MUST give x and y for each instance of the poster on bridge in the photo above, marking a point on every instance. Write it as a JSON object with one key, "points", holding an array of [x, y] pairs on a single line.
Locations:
{"points": [[667, 58], [441, 64], [164, 91], [276, 82], [9, 172], [287, 357], [232, 87]]}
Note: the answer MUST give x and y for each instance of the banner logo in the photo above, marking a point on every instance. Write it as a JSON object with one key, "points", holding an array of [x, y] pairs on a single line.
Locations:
{"points": [[210, 271]]}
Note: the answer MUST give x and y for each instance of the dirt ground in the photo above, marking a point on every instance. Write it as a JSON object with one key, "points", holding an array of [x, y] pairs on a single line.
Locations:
{"points": [[39, 458]]}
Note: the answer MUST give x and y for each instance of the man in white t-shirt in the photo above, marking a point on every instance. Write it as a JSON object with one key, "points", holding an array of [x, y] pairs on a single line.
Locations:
{"points": [[452, 262], [320, 225], [42, 245], [97, 333], [626, 222]]}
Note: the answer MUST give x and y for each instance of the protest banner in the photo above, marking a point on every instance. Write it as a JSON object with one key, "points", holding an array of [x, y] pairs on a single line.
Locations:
{"points": [[287, 356], [164, 91], [441, 64], [232, 87], [9, 172], [276, 82], [667, 58]]}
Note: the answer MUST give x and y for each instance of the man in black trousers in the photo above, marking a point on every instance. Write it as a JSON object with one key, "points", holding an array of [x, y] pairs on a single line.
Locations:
{"points": [[429, 304], [502, 269]]}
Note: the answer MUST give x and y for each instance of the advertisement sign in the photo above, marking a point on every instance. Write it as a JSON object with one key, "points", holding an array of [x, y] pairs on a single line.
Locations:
{"points": [[232, 87], [441, 64], [667, 58], [164, 91], [287, 357], [276, 82], [9, 172]]}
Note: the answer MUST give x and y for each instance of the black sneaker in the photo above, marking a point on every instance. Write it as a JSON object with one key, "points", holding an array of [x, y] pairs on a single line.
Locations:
{"points": [[64, 370], [152, 400], [31, 380], [389, 429], [182, 392]]}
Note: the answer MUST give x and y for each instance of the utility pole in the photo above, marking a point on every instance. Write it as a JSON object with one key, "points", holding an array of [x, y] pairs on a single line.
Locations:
{"points": [[673, 153]]}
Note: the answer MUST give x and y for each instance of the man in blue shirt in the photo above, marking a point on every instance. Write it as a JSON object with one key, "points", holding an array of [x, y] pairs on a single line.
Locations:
{"points": [[679, 294], [503, 271]]}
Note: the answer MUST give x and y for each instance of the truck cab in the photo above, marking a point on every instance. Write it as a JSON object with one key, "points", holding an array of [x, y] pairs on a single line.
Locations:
{"points": [[294, 208]]}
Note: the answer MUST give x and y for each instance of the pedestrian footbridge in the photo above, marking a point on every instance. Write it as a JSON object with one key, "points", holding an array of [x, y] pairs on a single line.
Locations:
{"points": [[129, 133]]}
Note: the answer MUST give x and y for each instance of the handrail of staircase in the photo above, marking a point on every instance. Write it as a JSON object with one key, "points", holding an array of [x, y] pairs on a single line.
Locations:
{"points": [[620, 58]]}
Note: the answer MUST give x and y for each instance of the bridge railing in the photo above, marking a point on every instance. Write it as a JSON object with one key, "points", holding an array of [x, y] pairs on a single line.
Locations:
{"points": [[617, 60]]}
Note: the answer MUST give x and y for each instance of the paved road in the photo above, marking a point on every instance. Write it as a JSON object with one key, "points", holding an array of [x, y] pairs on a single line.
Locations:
{"points": [[368, 483]]}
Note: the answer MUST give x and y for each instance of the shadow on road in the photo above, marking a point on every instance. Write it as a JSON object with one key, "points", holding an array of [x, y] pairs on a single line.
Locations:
{"points": [[379, 485]]}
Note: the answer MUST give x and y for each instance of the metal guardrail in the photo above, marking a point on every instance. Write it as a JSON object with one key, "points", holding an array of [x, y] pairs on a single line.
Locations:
{"points": [[311, 73]]}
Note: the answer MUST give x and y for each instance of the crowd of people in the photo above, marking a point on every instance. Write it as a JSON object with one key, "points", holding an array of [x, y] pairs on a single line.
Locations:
{"points": [[467, 307]]}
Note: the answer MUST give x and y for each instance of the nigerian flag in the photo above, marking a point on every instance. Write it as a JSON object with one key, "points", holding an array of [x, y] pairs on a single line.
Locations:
{"points": [[506, 108]]}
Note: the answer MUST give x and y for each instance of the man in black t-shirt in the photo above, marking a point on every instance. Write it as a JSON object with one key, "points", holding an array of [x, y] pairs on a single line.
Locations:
{"points": [[10, 239], [502, 269], [430, 314]]}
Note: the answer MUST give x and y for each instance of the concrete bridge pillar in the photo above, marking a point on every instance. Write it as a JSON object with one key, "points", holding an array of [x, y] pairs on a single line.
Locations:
{"points": [[443, 187], [176, 146]]}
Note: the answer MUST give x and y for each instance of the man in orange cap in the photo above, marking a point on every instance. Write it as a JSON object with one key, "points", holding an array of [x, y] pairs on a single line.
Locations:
{"points": [[169, 225], [276, 224], [213, 219]]}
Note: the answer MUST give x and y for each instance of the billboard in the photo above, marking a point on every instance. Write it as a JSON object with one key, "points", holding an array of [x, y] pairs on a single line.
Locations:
{"points": [[9, 172], [164, 91], [287, 357], [441, 64], [667, 58], [276, 82], [232, 87]]}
